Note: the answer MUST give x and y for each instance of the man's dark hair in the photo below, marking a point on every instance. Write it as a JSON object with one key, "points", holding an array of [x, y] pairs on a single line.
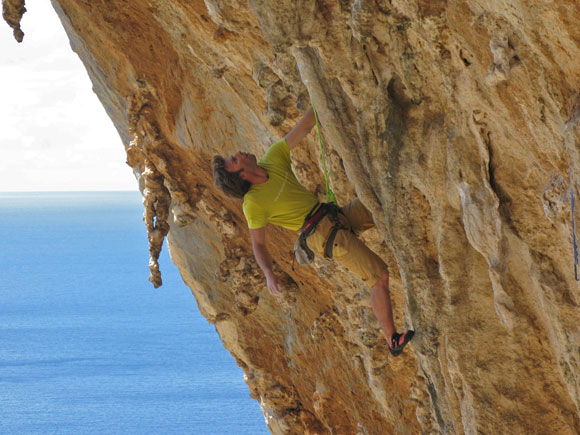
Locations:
{"points": [[229, 182]]}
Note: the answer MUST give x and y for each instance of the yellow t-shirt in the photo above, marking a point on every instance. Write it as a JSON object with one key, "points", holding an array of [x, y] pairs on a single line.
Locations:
{"points": [[281, 200]]}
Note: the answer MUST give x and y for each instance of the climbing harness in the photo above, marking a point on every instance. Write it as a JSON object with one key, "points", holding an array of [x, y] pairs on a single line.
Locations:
{"points": [[302, 252], [574, 229], [334, 211], [329, 193]]}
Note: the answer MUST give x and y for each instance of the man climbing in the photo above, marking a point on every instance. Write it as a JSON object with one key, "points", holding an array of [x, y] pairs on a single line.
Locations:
{"points": [[272, 194]]}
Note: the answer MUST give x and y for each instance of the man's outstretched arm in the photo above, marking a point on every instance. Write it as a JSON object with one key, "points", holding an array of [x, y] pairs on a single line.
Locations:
{"points": [[265, 261], [301, 129]]}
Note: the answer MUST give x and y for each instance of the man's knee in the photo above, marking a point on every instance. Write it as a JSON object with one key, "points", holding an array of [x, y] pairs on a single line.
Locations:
{"points": [[383, 281]]}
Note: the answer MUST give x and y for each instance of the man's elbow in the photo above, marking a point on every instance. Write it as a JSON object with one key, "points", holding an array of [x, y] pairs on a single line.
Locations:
{"points": [[256, 245]]}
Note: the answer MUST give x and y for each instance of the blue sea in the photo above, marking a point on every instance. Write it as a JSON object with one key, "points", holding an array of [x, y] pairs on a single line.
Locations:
{"points": [[87, 345]]}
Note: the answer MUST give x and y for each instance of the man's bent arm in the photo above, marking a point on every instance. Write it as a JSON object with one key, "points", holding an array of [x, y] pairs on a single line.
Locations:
{"points": [[264, 260], [260, 251], [301, 129]]}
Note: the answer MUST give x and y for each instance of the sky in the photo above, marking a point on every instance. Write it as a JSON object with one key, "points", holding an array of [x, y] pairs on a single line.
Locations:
{"points": [[54, 133]]}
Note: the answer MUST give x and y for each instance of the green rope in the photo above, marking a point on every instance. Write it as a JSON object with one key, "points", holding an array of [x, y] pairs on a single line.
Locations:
{"points": [[329, 193]]}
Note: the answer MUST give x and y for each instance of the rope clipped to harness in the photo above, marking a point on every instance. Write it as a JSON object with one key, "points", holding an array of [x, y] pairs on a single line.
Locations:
{"points": [[574, 229], [330, 197], [302, 252]]}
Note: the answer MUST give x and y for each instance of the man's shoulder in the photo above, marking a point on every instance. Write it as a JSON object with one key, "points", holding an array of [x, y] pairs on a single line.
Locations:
{"points": [[278, 152]]}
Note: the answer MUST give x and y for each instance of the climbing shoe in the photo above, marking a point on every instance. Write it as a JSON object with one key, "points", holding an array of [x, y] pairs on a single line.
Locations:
{"points": [[399, 341]]}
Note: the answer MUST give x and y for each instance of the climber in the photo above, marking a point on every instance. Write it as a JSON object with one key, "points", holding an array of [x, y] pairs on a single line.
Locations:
{"points": [[272, 194]]}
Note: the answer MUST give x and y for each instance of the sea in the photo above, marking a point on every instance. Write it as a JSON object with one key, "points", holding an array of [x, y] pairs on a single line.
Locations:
{"points": [[87, 345]]}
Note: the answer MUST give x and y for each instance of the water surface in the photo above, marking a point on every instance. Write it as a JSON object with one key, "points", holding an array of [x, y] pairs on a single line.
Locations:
{"points": [[87, 345]]}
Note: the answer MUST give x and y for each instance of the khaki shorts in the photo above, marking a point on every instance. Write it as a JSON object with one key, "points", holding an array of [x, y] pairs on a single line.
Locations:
{"points": [[348, 250]]}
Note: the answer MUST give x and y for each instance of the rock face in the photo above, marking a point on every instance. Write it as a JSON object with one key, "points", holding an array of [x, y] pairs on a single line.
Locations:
{"points": [[455, 122]]}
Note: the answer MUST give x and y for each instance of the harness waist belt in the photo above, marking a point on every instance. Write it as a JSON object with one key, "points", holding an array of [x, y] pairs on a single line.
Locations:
{"points": [[315, 216], [312, 219]]}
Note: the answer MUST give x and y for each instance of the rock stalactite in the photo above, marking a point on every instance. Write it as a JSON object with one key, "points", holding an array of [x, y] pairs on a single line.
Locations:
{"points": [[12, 11], [156, 197], [456, 123]]}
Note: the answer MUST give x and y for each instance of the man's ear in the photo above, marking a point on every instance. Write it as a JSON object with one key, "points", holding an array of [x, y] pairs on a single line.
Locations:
{"points": [[242, 175]]}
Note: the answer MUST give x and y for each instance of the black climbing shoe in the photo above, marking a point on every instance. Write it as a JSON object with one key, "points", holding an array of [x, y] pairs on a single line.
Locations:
{"points": [[399, 341]]}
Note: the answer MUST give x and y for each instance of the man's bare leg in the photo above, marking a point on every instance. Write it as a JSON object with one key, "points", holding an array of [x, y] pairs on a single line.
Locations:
{"points": [[381, 304]]}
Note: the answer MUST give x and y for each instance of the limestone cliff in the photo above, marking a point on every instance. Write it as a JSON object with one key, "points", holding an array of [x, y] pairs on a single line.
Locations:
{"points": [[455, 122]]}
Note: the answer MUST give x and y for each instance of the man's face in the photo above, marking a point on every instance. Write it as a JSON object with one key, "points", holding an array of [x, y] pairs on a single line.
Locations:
{"points": [[240, 161]]}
